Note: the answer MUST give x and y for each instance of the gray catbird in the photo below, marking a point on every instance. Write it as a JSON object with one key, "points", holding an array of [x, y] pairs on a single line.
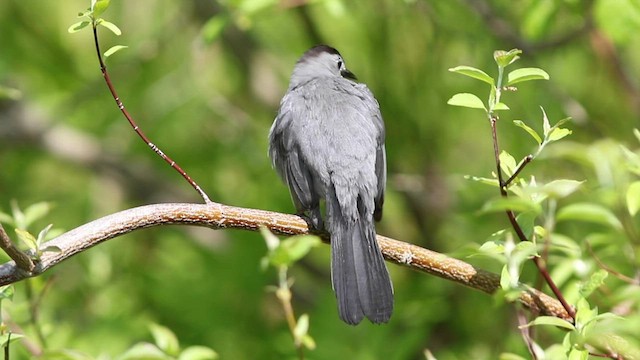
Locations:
{"points": [[327, 142]]}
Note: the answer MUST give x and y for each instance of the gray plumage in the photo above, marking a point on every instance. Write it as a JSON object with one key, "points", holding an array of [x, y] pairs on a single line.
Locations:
{"points": [[327, 143]]}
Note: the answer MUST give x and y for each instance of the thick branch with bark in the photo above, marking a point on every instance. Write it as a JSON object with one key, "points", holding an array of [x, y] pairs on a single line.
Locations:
{"points": [[217, 216]]}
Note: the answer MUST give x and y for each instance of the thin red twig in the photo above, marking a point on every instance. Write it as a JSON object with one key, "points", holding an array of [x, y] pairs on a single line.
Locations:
{"points": [[518, 230], [136, 128]]}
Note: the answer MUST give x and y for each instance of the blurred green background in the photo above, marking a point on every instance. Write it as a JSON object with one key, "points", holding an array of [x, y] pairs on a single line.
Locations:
{"points": [[204, 78]]}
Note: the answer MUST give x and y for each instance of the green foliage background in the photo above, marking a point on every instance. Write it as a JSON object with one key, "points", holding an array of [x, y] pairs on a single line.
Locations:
{"points": [[204, 79]]}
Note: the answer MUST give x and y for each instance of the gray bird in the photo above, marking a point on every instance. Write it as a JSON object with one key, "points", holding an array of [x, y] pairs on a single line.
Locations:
{"points": [[327, 143]]}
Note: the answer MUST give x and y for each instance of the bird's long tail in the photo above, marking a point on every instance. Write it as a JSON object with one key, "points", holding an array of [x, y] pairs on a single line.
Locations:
{"points": [[358, 272]]}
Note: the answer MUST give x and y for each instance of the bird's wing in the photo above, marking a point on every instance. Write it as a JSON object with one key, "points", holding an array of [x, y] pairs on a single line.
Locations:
{"points": [[381, 157], [286, 159]]}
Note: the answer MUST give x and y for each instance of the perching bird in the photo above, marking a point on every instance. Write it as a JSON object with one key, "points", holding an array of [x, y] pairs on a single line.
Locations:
{"points": [[327, 143]]}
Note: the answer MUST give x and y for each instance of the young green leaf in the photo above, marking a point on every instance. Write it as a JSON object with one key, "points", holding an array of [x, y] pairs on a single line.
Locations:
{"points": [[511, 203], [505, 278], [526, 74], [507, 163], [144, 351], [484, 180], [165, 339], [43, 234], [595, 281], [111, 26], [213, 28], [99, 6], [112, 50], [6, 292], [558, 133], [530, 131], [589, 212], [7, 219], [551, 321], [35, 212], [500, 106], [198, 353], [505, 58], [27, 238], [302, 328], [78, 26], [18, 216], [561, 188], [546, 127], [473, 73], [633, 198], [466, 100]]}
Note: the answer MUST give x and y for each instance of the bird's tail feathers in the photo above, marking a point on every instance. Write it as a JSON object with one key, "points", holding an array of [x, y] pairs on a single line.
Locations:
{"points": [[359, 275]]}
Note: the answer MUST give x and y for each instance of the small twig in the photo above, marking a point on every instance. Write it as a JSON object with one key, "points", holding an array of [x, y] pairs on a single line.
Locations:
{"points": [[283, 293], [525, 331], [220, 216], [518, 230], [527, 159], [608, 269], [136, 128], [23, 261]]}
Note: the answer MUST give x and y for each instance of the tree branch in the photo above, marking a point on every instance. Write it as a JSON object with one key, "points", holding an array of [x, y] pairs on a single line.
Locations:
{"points": [[217, 216]]}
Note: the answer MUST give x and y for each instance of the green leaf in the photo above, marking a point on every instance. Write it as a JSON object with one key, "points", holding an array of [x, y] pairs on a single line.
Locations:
{"points": [[507, 163], [7, 219], [633, 198], [488, 181], [510, 356], [36, 212], [165, 339], [18, 216], [293, 249], [474, 73], [505, 278], [500, 106], [213, 28], [271, 240], [595, 281], [74, 28], [302, 327], [144, 351], [9, 338], [578, 354], [198, 353], [529, 130], [526, 220], [526, 74], [546, 127], [511, 203], [561, 188], [558, 133], [505, 58], [636, 133], [491, 247], [466, 100], [111, 26], [551, 321], [99, 6], [27, 238], [308, 342], [112, 50], [584, 313], [43, 234], [589, 212], [6, 292]]}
